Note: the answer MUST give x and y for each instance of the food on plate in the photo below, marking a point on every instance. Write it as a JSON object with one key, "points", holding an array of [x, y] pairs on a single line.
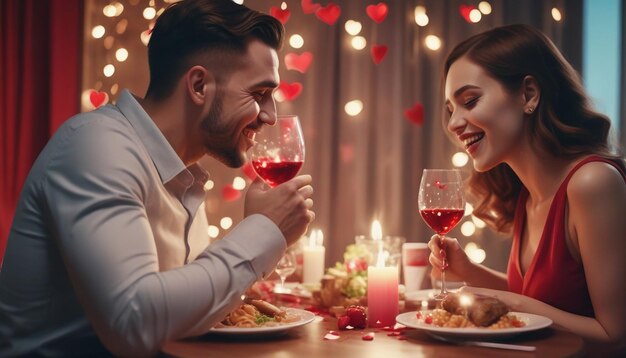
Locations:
{"points": [[257, 313], [460, 310]]}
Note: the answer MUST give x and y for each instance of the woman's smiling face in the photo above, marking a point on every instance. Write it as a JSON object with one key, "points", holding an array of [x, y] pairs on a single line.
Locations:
{"points": [[486, 119]]}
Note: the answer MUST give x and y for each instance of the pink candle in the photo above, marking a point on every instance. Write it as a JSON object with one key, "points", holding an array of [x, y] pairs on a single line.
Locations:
{"points": [[382, 295]]}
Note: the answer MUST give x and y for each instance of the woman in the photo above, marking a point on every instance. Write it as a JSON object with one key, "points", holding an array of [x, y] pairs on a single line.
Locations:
{"points": [[545, 172]]}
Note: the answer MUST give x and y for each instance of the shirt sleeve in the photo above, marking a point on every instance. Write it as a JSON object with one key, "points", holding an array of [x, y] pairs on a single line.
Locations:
{"points": [[95, 189]]}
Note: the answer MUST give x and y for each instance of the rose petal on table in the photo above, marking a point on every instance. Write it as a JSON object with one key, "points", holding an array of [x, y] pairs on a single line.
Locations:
{"points": [[368, 336]]}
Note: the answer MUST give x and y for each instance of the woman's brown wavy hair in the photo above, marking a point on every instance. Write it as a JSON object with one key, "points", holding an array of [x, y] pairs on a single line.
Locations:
{"points": [[564, 122]]}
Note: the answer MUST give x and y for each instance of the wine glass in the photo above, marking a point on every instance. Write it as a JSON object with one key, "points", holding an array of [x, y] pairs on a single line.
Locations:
{"points": [[278, 153], [285, 267], [441, 205]]}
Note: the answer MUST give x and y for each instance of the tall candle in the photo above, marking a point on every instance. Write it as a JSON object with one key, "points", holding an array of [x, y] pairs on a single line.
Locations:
{"points": [[382, 294], [313, 258]]}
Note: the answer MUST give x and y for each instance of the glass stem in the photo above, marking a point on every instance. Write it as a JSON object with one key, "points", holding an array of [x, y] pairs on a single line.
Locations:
{"points": [[444, 263]]}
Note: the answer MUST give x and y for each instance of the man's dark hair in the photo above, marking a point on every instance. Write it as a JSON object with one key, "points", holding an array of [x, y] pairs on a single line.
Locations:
{"points": [[211, 33]]}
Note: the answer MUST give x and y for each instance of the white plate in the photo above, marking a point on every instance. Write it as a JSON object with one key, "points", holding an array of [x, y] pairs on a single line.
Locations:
{"points": [[305, 317], [292, 288], [533, 322]]}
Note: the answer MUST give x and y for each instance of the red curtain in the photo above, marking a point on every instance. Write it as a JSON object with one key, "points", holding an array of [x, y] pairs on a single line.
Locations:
{"points": [[40, 71]]}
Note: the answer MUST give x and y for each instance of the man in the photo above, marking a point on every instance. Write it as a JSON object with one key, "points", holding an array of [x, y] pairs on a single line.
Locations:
{"points": [[108, 250]]}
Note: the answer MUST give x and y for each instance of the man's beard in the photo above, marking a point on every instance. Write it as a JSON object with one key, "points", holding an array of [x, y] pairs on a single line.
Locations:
{"points": [[218, 145]]}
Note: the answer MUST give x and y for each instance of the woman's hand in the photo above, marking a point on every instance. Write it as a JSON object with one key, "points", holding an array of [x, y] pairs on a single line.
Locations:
{"points": [[457, 262]]}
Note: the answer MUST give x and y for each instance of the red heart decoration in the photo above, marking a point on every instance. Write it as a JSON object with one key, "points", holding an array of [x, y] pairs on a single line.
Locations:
{"points": [[378, 53], [465, 11], [98, 99], [299, 63], [290, 90], [415, 114], [280, 14], [229, 193], [248, 170], [377, 12], [328, 14], [309, 7]]}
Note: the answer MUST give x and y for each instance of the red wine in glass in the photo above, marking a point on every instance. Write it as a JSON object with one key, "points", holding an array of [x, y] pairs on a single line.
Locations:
{"points": [[278, 153], [441, 205], [275, 173], [442, 220]]}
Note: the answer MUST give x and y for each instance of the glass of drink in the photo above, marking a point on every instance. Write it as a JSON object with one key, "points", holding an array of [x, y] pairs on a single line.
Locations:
{"points": [[278, 153], [441, 205], [285, 267]]}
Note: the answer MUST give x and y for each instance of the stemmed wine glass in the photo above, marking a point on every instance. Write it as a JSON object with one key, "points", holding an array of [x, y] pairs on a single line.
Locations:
{"points": [[278, 153], [441, 205], [285, 267]]}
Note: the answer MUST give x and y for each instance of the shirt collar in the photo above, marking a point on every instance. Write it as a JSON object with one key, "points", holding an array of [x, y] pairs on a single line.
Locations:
{"points": [[167, 162]]}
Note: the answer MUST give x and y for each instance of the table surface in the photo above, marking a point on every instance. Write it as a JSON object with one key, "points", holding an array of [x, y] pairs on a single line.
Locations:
{"points": [[308, 341]]}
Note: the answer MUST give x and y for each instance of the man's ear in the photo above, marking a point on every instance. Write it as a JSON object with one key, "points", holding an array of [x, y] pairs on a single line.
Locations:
{"points": [[531, 92], [200, 85]]}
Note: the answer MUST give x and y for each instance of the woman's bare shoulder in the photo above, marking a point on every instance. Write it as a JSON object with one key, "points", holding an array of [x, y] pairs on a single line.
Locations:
{"points": [[596, 179]]}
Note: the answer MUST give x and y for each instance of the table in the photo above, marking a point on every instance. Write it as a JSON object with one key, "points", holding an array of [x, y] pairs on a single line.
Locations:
{"points": [[307, 341]]}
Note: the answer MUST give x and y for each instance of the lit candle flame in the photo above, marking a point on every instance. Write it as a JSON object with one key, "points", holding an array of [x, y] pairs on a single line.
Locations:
{"points": [[316, 238], [320, 237], [313, 238], [377, 231]]}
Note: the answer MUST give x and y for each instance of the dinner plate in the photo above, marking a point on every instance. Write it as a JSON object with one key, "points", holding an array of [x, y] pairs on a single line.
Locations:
{"points": [[533, 322], [305, 317]]}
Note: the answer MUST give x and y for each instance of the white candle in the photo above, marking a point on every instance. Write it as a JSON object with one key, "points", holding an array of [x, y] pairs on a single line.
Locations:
{"points": [[382, 294], [313, 258]]}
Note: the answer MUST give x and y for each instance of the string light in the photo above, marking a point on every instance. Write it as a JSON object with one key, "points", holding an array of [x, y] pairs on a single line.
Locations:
{"points": [[468, 228], [433, 42], [421, 18], [353, 107], [121, 54], [209, 185], [240, 2], [469, 209], [556, 14], [484, 7], [475, 253], [114, 88], [98, 31], [239, 183], [296, 41], [358, 43], [149, 13], [108, 70], [479, 223], [283, 6], [213, 231], [353, 27], [226, 223], [279, 96], [475, 15], [113, 9], [459, 159]]}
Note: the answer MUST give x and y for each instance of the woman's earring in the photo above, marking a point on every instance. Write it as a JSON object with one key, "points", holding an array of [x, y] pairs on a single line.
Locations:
{"points": [[530, 110]]}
